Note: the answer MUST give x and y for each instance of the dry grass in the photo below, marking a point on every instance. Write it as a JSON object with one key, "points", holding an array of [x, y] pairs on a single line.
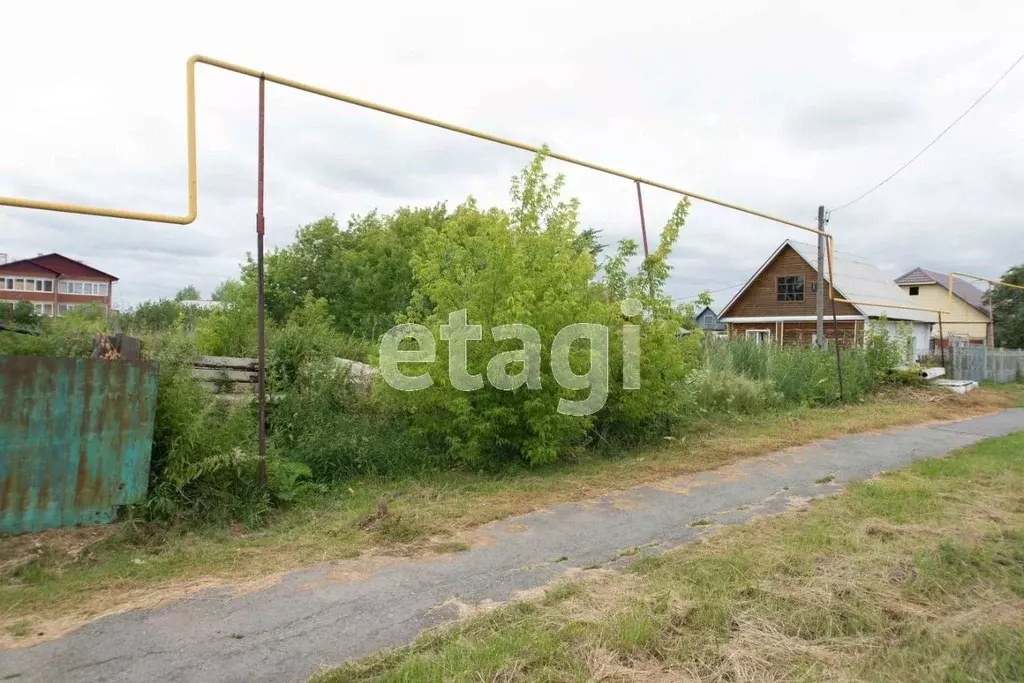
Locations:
{"points": [[918, 575], [60, 580]]}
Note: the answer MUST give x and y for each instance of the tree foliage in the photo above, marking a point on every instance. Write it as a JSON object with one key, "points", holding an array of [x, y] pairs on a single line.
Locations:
{"points": [[531, 266], [1008, 309], [188, 293], [362, 271]]}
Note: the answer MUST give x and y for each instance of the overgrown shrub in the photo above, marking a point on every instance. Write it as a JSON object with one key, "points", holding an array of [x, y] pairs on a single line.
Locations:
{"points": [[715, 391], [530, 266], [333, 426], [204, 461], [308, 335], [151, 316], [885, 351], [24, 313]]}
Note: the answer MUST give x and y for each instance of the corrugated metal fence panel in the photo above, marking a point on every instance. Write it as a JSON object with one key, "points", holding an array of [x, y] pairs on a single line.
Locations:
{"points": [[969, 362], [75, 439], [977, 363]]}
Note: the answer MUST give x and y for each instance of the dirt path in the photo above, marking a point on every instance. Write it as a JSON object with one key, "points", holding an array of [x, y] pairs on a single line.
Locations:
{"points": [[346, 609]]}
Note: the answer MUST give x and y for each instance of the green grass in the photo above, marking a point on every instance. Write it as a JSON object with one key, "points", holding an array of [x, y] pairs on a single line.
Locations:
{"points": [[57, 580], [917, 575]]}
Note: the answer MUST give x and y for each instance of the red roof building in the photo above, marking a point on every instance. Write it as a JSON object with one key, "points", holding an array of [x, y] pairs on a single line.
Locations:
{"points": [[54, 284]]}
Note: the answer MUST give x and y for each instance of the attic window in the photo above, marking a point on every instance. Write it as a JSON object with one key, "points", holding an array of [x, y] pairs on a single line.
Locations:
{"points": [[790, 288], [914, 291]]}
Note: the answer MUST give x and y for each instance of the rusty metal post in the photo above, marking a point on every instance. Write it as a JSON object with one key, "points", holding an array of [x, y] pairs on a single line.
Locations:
{"points": [[261, 342], [643, 223]]}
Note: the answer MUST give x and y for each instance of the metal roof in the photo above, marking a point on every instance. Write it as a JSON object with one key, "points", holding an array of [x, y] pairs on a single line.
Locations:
{"points": [[964, 290], [856, 279], [860, 280]]}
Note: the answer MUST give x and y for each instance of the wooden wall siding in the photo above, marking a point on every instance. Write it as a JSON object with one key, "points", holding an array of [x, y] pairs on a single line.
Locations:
{"points": [[851, 332], [760, 299]]}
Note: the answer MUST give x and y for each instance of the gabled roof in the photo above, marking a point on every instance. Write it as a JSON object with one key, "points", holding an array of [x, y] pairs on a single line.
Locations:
{"points": [[704, 310], [56, 264], [856, 279], [967, 292]]}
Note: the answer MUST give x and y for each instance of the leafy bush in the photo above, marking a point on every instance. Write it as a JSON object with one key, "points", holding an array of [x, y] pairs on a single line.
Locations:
{"points": [[885, 351], [633, 417], [151, 316], [24, 313], [530, 266], [231, 329]]}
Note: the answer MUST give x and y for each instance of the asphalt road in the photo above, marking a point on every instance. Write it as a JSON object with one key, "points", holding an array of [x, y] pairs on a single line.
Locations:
{"points": [[337, 611]]}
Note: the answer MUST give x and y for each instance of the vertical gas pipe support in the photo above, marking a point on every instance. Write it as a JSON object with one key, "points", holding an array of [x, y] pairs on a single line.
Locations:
{"points": [[643, 223], [822, 221], [261, 373], [942, 342], [643, 232]]}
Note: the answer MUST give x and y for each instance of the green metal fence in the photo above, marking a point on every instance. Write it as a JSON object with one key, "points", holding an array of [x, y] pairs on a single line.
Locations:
{"points": [[75, 439]]}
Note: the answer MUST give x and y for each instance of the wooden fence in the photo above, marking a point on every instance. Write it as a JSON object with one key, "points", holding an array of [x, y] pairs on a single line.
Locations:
{"points": [[976, 363]]}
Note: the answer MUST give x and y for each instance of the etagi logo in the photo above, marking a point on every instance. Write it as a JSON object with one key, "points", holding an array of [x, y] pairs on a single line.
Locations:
{"points": [[458, 333]]}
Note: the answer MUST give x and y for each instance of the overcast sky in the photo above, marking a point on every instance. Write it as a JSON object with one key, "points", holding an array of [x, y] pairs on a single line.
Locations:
{"points": [[779, 106]]}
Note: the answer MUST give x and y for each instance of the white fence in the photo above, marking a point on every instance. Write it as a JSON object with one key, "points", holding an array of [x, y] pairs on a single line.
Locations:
{"points": [[975, 362]]}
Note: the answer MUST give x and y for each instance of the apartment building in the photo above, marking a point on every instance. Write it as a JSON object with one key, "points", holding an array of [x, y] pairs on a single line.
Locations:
{"points": [[54, 283]]}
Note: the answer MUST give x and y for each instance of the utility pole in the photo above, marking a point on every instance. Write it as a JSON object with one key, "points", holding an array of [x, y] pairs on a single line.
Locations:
{"points": [[990, 331], [819, 300]]}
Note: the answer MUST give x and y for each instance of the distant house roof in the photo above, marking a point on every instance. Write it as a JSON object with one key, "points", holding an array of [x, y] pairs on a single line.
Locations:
{"points": [[707, 319], [857, 279], [55, 264], [705, 310], [964, 290]]}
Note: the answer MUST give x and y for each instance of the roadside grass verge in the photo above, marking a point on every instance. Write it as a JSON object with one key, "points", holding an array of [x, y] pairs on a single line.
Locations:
{"points": [[53, 582], [916, 575]]}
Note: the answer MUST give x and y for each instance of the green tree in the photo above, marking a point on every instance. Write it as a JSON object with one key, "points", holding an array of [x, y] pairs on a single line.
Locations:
{"points": [[189, 293], [362, 271], [218, 294], [1008, 309]]}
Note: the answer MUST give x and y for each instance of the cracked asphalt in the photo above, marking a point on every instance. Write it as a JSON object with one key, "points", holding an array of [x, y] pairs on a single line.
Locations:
{"points": [[325, 615]]}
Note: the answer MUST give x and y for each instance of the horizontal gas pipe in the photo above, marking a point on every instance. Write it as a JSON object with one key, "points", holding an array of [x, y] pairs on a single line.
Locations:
{"points": [[193, 210], [998, 283], [880, 304]]}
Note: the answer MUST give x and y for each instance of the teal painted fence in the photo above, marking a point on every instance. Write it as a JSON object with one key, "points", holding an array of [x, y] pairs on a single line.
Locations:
{"points": [[75, 439]]}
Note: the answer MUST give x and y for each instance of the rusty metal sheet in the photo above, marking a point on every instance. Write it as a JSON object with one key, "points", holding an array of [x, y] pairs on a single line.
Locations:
{"points": [[75, 439]]}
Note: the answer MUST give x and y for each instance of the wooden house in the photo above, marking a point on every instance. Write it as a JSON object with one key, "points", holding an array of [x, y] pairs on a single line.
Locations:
{"points": [[777, 304]]}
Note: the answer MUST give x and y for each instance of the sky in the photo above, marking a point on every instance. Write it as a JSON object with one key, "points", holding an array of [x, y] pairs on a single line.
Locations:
{"points": [[779, 106]]}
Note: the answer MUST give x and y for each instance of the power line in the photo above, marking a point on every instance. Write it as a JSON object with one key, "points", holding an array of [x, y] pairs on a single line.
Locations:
{"points": [[937, 137], [714, 291]]}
